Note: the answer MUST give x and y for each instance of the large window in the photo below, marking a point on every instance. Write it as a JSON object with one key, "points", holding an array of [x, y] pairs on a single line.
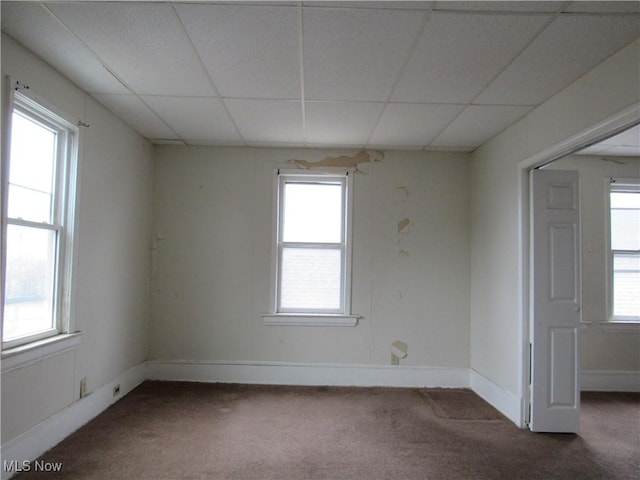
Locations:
{"points": [[39, 185], [624, 252], [312, 249]]}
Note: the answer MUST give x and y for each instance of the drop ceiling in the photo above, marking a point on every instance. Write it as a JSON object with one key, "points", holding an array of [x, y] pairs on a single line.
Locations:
{"points": [[418, 75]]}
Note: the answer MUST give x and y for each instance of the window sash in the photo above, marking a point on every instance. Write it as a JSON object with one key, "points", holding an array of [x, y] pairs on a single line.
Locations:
{"points": [[62, 215], [342, 246], [625, 185]]}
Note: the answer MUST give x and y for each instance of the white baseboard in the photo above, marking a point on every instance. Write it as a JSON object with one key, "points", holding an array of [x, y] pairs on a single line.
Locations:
{"points": [[48, 433], [507, 403], [610, 380], [275, 373]]}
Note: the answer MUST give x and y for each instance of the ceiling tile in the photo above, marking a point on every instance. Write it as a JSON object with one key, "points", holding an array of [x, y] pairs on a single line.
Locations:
{"points": [[34, 27], [518, 6], [355, 54], [626, 138], [458, 55], [195, 118], [340, 122], [604, 7], [568, 48], [404, 124], [137, 115], [143, 42], [477, 124], [391, 4], [250, 52], [267, 120]]}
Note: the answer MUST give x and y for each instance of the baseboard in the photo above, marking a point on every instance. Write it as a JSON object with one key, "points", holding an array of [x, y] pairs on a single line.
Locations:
{"points": [[510, 405], [275, 373], [48, 433], [610, 381]]}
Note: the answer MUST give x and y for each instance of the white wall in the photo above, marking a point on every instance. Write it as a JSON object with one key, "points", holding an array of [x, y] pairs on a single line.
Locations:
{"points": [[601, 350], [497, 351], [212, 268], [113, 258]]}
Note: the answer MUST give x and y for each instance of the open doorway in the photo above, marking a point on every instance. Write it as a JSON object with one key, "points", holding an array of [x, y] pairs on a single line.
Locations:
{"points": [[606, 351]]}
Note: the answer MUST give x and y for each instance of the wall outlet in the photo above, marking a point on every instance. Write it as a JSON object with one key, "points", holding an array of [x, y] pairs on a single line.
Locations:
{"points": [[83, 387], [116, 390]]}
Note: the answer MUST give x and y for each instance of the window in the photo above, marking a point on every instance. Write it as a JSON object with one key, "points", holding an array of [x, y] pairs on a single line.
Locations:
{"points": [[312, 253], [39, 184], [624, 251]]}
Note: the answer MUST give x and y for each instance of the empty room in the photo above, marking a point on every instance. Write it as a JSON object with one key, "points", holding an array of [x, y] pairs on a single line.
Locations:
{"points": [[320, 239]]}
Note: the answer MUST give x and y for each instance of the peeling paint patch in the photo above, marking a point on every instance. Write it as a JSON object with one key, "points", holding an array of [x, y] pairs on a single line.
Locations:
{"points": [[403, 253], [342, 161], [400, 194], [399, 350], [403, 225]]}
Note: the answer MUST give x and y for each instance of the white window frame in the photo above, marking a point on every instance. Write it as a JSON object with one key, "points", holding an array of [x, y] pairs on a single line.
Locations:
{"points": [[309, 317], [60, 336], [617, 184]]}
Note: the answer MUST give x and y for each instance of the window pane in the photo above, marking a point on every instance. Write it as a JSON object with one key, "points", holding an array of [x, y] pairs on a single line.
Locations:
{"points": [[31, 170], [311, 279], [30, 277], [626, 285], [312, 213], [625, 221]]}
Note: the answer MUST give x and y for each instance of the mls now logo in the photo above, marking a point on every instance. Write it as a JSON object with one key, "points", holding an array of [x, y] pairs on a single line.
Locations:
{"points": [[16, 466]]}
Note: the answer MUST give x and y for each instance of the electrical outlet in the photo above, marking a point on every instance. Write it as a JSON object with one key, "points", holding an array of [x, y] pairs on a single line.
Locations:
{"points": [[116, 390], [83, 387]]}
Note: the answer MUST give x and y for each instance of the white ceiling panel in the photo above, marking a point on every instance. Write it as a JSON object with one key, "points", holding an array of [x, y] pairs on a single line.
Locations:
{"points": [[355, 54], [458, 55], [518, 6], [411, 124], [195, 118], [477, 124], [340, 122], [378, 4], [250, 52], [143, 42], [567, 49], [632, 6], [31, 25], [267, 120], [136, 114], [630, 137]]}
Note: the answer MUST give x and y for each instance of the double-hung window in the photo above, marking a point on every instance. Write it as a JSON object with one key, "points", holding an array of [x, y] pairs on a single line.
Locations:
{"points": [[312, 249], [39, 175], [624, 250]]}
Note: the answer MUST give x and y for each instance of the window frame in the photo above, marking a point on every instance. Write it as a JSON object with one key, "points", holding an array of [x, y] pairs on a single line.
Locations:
{"points": [[304, 316], [617, 184], [63, 219]]}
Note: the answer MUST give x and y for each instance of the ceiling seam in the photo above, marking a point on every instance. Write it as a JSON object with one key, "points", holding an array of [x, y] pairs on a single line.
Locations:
{"points": [[111, 72], [209, 75], [303, 110], [414, 44]]}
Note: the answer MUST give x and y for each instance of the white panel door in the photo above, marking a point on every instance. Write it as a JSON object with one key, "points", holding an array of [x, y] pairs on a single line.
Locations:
{"points": [[555, 301]]}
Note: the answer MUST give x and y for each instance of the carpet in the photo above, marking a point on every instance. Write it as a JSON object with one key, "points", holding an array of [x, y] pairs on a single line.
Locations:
{"points": [[198, 431], [460, 404]]}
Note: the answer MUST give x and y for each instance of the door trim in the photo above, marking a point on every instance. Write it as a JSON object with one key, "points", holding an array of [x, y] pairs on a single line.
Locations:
{"points": [[615, 124]]}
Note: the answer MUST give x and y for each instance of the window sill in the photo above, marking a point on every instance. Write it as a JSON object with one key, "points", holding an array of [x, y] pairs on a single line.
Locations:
{"points": [[310, 320], [620, 327], [24, 355]]}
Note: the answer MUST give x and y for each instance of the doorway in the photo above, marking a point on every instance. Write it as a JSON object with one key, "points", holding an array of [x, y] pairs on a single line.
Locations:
{"points": [[567, 420]]}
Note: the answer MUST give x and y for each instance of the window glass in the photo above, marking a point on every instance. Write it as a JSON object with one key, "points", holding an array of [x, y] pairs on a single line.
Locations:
{"points": [[312, 212], [32, 170], [311, 279], [30, 274], [625, 221], [626, 285]]}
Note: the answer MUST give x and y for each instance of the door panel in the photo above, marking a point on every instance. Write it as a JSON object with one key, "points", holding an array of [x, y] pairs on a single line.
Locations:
{"points": [[555, 301]]}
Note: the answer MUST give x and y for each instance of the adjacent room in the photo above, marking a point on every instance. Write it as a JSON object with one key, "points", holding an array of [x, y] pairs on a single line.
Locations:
{"points": [[300, 239]]}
